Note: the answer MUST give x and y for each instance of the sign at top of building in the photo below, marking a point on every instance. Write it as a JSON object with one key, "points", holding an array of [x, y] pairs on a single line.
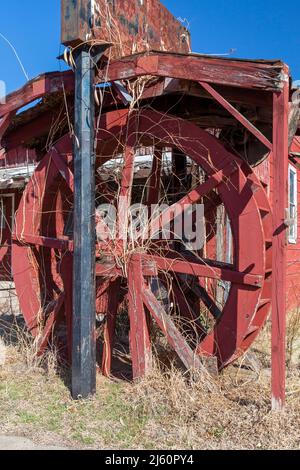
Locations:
{"points": [[129, 26]]}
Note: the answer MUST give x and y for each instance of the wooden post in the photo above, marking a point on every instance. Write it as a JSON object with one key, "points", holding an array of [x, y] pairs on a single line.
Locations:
{"points": [[280, 204]]}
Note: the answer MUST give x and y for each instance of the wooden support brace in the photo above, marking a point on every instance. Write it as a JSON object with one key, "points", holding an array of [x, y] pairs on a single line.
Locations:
{"points": [[235, 113]]}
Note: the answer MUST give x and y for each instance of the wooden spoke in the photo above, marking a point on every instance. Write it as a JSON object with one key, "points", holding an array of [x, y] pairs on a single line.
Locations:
{"points": [[210, 269], [37, 240], [121, 269], [104, 287], [174, 337], [193, 197]]}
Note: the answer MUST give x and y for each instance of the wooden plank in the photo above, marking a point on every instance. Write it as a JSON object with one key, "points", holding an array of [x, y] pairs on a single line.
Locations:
{"points": [[294, 115], [127, 25], [280, 204], [257, 75]]}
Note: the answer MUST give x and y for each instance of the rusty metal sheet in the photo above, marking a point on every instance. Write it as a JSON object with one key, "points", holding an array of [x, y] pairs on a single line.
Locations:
{"points": [[129, 25]]}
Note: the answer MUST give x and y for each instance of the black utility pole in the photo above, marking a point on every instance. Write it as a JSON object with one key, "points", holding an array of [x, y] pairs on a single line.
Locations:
{"points": [[76, 21], [84, 319]]}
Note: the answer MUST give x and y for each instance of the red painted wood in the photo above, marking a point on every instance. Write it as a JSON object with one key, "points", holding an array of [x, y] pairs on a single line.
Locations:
{"points": [[44, 84], [63, 169], [127, 25], [17, 157], [295, 147], [47, 242], [205, 268], [280, 204], [140, 345], [260, 75], [293, 263], [66, 270], [186, 309]]}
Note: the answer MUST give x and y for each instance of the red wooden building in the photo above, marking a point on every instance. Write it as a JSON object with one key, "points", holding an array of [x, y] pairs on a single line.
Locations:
{"points": [[231, 129]]}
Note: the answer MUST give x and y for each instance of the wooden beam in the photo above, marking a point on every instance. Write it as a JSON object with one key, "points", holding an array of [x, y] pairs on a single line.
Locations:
{"points": [[259, 75], [44, 84], [280, 204], [38, 240], [49, 326]]}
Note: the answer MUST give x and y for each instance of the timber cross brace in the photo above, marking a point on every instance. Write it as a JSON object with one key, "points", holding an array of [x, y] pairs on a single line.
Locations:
{"points": [[228, 131]]}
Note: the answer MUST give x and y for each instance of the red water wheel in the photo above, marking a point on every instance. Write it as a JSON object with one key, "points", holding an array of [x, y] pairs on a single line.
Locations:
{"points": [[207, 300]]}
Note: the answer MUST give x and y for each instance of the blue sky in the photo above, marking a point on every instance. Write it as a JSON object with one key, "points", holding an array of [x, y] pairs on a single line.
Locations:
{"points": [[255, 28]]}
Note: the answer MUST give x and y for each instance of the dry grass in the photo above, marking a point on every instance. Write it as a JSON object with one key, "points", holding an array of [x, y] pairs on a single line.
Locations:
{"points": [[164, 411]]}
